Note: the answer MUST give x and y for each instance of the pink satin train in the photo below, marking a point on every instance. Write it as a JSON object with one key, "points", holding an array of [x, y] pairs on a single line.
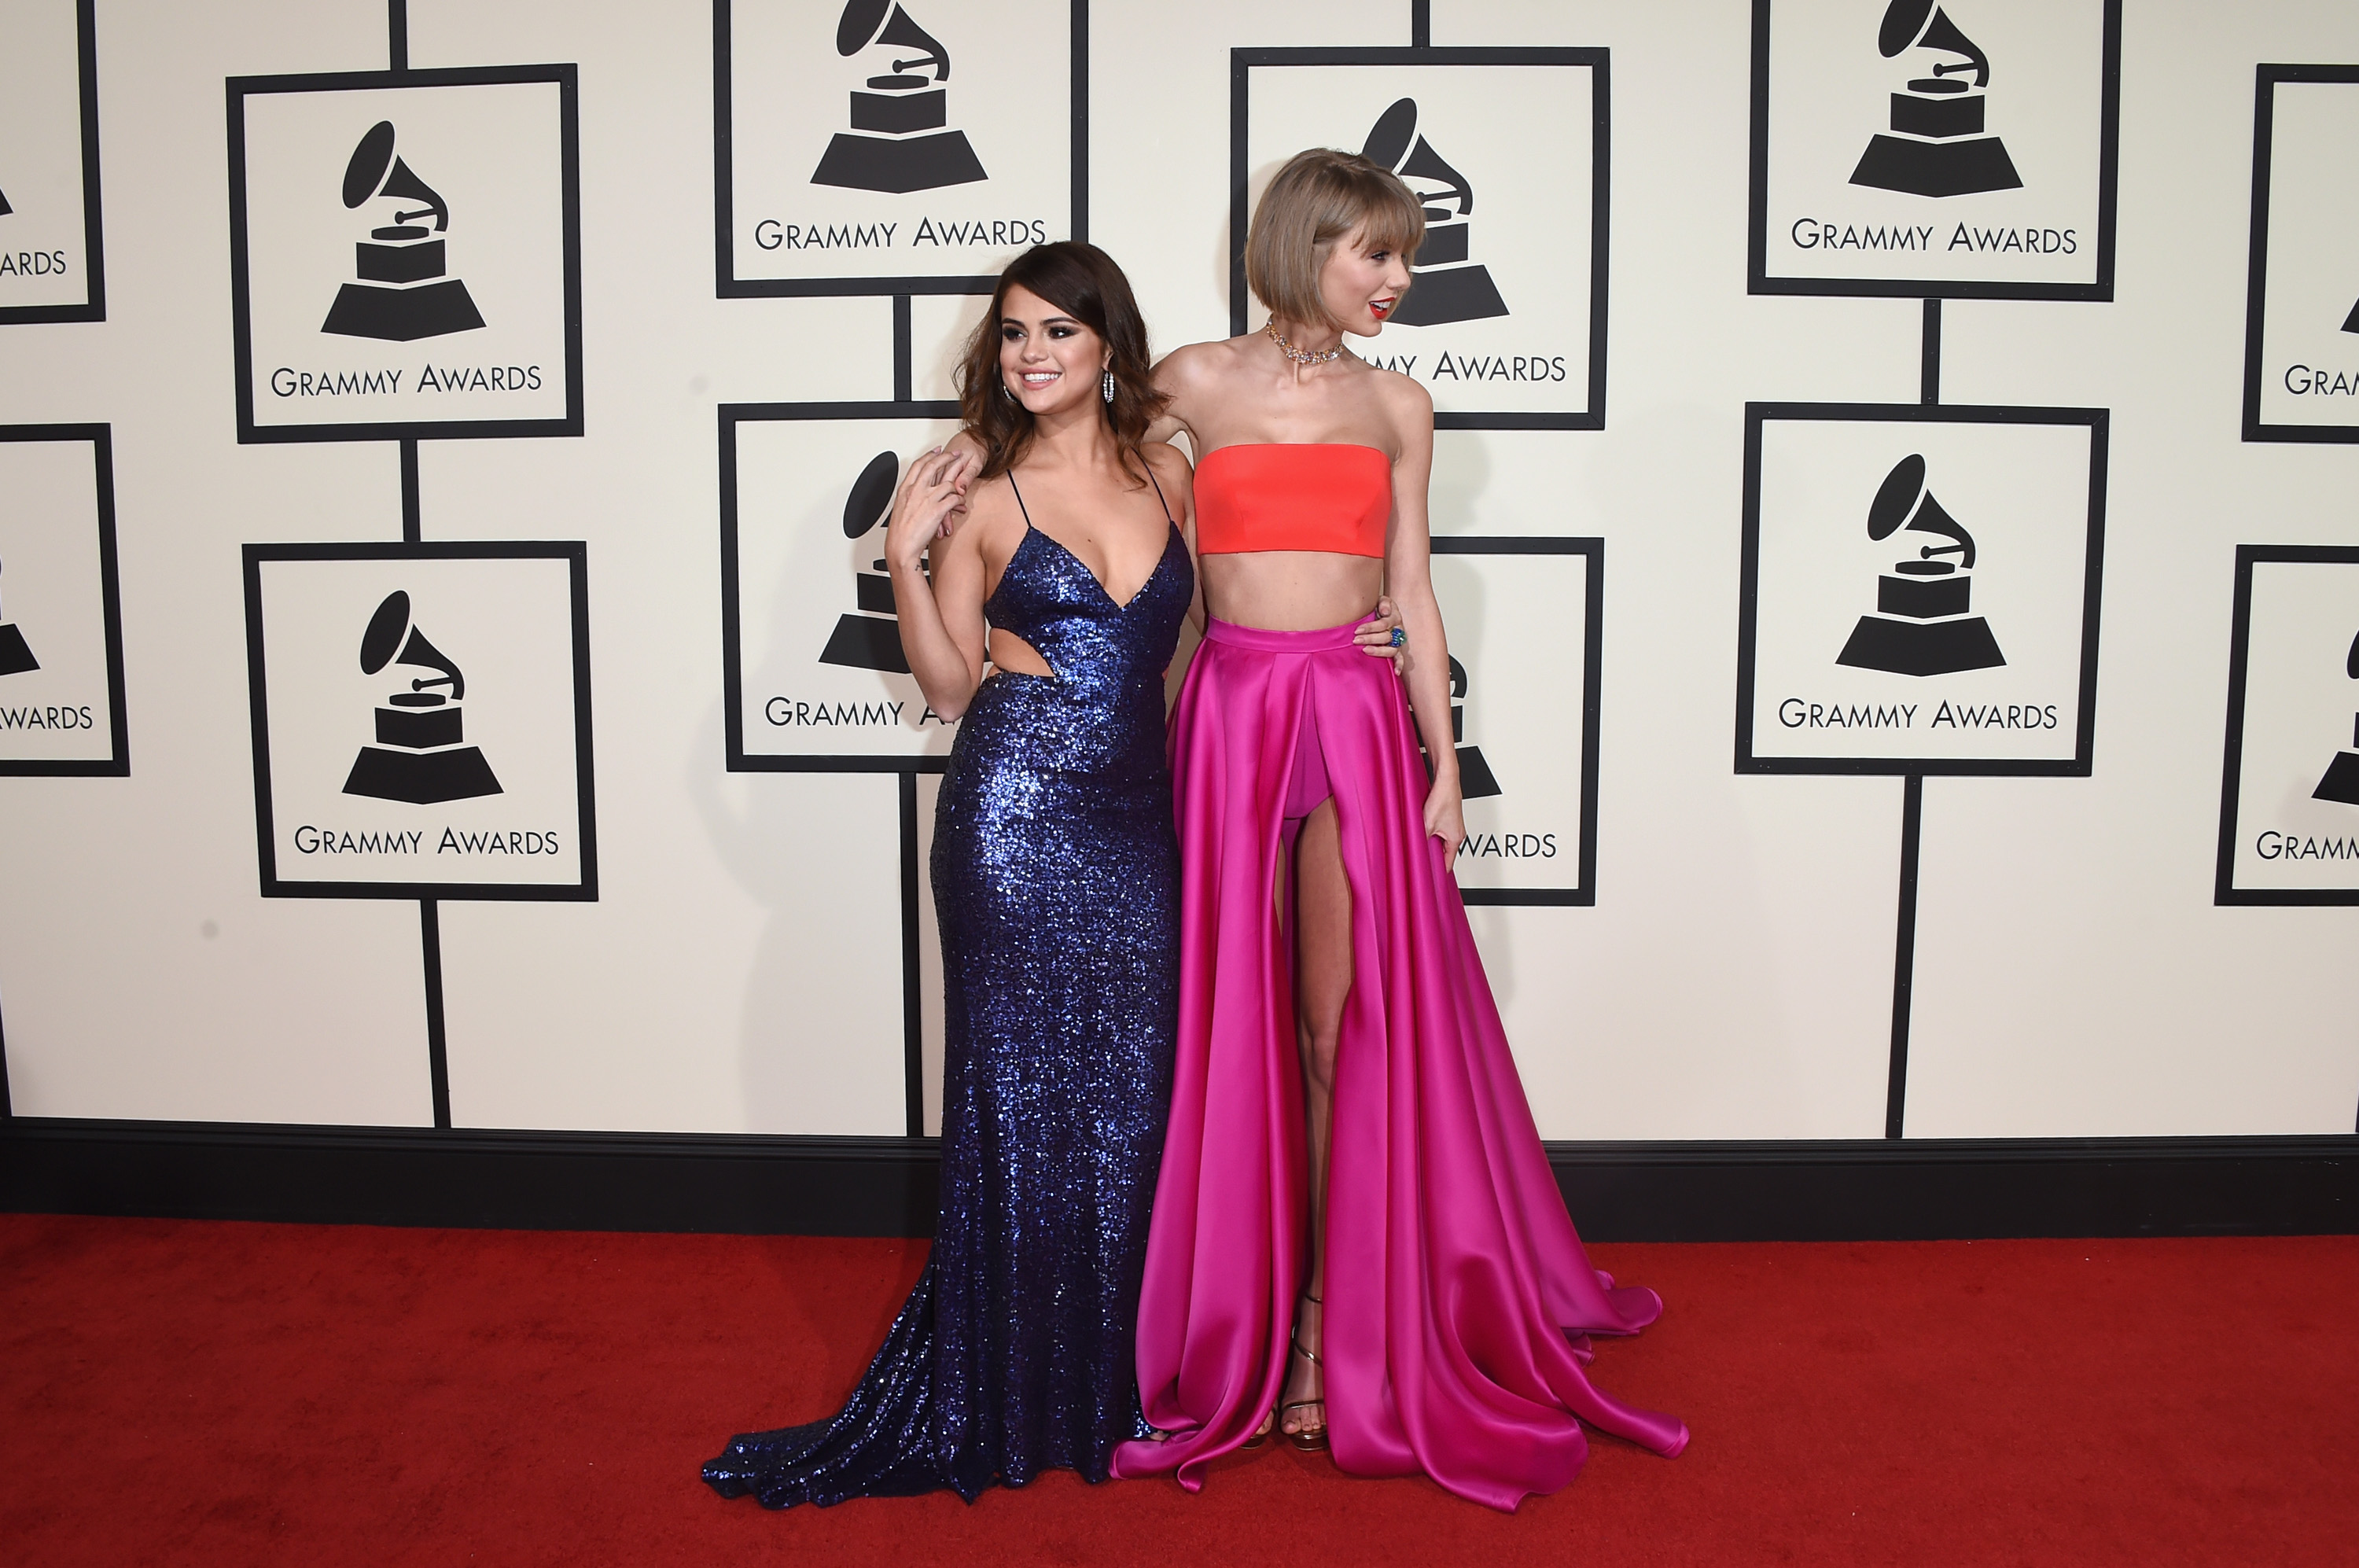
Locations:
{"points": [[1459, 1298]]}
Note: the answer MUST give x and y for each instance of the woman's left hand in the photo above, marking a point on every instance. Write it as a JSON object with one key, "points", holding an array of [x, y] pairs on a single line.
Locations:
{"points": [[1376, 638], [1445, 814], [927, 507]]}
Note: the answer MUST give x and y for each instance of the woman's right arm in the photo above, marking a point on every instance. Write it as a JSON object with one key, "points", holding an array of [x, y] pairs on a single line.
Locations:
{"points": [[941, 612], [1173, 472], [1178, 375]]}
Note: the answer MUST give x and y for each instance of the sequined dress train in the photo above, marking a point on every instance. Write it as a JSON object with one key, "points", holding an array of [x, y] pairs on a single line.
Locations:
{"points": [[1056, 876]]}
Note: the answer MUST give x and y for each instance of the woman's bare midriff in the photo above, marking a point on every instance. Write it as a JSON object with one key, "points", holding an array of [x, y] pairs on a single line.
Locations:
{"points": [[1013, 655], [1291, 589]]}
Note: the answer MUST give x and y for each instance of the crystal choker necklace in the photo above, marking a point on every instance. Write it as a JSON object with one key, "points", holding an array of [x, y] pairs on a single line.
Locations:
{"points": [[1301, 357]]}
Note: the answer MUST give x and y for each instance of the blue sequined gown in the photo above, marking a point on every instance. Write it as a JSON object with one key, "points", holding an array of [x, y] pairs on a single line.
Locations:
{"points": [[1055, 875]]}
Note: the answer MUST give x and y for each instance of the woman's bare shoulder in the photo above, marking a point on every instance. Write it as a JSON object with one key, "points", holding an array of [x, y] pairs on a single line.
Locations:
{"points": [[1199, 361], [1405, 406], [988, 498], [1168, 461], [1400, 395], [991, 513]]}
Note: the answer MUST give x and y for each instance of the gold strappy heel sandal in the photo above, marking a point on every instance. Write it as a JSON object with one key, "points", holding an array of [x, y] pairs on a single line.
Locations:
{"points": [[1313, 1441]]}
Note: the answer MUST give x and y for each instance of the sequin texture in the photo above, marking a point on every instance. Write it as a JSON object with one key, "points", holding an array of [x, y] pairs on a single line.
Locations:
{"points": [[1056, 879]]}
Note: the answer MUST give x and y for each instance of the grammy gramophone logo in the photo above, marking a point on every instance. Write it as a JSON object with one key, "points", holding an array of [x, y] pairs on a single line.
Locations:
{"points": [[1937, 145], [15, 654], [1923, 624], [1475, 778], [2340, 780], [901, 139], [420, 755], [402, 293], [1450, 287], [2350, 323], [869, 638]]}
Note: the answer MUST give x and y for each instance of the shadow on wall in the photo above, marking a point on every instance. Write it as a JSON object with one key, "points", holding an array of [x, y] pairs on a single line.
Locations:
{"points": [[1465, 626], [766, 847], [1220, 271], [1462, 476], [1698, 941], [950, 352], [771, 846]]}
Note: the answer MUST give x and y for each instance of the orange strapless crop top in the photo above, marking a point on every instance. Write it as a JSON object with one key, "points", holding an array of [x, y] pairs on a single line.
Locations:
{"points": [[1323, 496]]}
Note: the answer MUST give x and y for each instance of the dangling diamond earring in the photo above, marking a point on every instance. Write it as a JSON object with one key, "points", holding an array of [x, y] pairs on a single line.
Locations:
{"points": [[1108, 385]]}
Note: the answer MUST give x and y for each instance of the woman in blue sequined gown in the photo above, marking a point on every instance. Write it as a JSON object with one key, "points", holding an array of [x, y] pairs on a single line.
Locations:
{"points": [[1056, 876]]}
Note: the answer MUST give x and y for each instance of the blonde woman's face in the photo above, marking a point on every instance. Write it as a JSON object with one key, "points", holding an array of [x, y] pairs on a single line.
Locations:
{"points": [[1361, 284]]}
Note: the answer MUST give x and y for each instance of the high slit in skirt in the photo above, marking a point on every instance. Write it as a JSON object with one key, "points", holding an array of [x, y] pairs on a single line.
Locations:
{"points": [[1459, 1298]]}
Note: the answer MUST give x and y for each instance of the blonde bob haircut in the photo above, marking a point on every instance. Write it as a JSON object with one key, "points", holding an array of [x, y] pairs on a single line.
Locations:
{"points": [[1322, 196]]}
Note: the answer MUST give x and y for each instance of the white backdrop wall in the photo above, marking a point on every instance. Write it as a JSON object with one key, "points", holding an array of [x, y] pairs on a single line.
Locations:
{"points": [[740, 966]]}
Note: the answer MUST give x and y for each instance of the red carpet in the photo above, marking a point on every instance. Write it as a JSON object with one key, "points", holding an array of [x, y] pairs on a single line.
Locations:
{"points": [[236, 1394]]}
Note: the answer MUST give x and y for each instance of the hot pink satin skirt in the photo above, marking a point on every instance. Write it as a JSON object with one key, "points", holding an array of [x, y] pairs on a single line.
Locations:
{"points": [[1459, 1300]]}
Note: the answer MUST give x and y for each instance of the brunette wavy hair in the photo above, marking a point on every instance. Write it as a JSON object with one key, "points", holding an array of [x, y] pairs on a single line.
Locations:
{"points": [[1084, 283]]}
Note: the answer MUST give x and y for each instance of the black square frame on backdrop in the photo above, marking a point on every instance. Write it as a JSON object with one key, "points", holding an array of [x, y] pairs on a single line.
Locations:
{"points": [[1758, 279], [565, 76], [2078, 765], [1584, 892], [576, 555], [117, 764], [2224, 890], [1242, 62], [733, 644], [92, 210], [727, 285], [2265, 79]]}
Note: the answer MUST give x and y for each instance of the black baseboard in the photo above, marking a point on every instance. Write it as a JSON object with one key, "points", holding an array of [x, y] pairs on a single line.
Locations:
{"points": [[1867, 1190], [510, 1181], [1945, 1188]]}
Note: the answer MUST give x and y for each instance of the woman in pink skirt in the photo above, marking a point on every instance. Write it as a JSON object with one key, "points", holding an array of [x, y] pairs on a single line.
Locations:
{"points": [[1356, 1235]]}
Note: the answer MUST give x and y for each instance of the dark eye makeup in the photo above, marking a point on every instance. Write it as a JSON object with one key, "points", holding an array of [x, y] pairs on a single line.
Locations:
{"points": [[1011, 330]]}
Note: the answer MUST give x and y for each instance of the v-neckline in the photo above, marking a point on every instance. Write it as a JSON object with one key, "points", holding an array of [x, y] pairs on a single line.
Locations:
{"points": [[1121, 606]]}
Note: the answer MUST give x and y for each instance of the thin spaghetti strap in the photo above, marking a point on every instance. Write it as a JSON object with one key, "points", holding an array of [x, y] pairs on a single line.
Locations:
{"points": [[1159, 494], [1019, 498]]}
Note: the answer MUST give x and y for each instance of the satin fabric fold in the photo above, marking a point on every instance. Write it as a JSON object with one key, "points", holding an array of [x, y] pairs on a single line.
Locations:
{"points": [[1458, 1295]]}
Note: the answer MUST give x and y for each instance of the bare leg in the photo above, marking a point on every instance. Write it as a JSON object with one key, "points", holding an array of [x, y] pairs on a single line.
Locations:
{"points": [[1322, 949]]}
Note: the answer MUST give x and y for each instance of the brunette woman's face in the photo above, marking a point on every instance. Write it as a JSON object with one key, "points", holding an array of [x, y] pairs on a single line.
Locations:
{"points": [[1361, 283], [1049, 359]]}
